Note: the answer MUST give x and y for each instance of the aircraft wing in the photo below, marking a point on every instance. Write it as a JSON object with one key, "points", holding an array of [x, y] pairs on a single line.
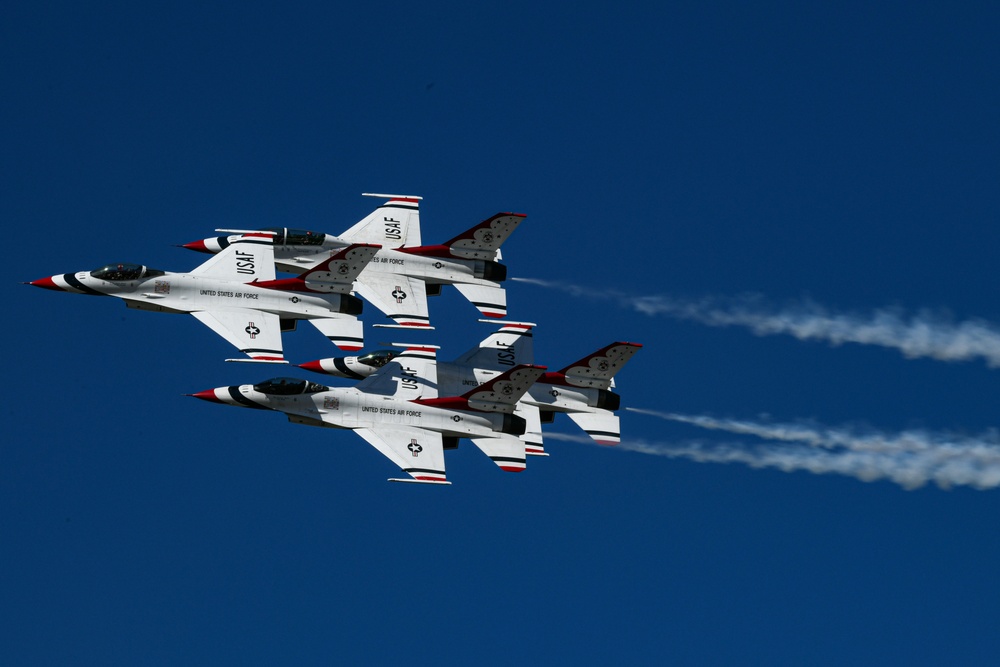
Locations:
{"points": [[254, 333], [491, 301], [418, 452], [402, 298]]}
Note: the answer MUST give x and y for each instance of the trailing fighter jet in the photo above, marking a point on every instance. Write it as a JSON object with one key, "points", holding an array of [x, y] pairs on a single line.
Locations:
{"points": [[404, 272], [235, 294], [581, 390], [399, 412]]}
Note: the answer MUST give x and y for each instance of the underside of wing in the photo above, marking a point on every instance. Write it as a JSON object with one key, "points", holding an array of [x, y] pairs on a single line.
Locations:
{"points": [[254, 333], [418, 452], [491, 301], [401, 298]]}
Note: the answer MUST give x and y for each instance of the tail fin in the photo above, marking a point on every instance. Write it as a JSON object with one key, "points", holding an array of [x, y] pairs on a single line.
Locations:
{"points": [[598, 369], [499, 394], [483, 241], [410, 375], [393, 224], [510, 345], [603, 426], [248, 258]]}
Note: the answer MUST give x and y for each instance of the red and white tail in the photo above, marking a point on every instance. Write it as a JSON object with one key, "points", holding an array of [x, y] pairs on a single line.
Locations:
{"points": [[392, 225], [499, 394], [338, 273], [484, 240], [598, 368]]}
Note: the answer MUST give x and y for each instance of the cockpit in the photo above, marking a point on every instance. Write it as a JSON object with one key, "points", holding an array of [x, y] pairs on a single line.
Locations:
{"points": [[119, 272], [377, 359], [289, 387], [286, 236]]}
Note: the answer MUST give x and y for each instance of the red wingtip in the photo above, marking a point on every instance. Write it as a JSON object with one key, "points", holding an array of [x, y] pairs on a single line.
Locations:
{"points": [[350, 348], [46, 283], [207, 395], [197, 246]]}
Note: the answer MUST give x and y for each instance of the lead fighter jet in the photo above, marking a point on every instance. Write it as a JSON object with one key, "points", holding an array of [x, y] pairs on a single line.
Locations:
{"points": [[398, 411], [404, 272], [235, 294], [581, 390]]}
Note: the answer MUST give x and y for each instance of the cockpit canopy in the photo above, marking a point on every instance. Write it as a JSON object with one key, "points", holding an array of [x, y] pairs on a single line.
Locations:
{"points": [[286, 236], [119, 272], [289, 387], [377, 359]]}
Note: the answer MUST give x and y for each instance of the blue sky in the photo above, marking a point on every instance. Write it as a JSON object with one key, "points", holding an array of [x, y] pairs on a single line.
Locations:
{"points": [[831, 164]]}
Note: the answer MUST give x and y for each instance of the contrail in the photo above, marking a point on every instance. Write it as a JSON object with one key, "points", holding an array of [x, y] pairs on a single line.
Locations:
{"points": [[924, 334], [909, 458]]}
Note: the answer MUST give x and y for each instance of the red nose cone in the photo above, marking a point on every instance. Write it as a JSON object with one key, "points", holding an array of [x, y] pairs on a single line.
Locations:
{"points": [[313, 366], [47, 283], [198, 246], [207, 395]]}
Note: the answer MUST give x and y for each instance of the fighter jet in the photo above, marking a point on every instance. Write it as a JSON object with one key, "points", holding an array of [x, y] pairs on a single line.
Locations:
{"points": [[404, 272], [235, 293], [399, 412], [581, 390]]}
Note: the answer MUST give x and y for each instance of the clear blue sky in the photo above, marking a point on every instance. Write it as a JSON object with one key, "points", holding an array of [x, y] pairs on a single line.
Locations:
{"points": [[844, 156]]}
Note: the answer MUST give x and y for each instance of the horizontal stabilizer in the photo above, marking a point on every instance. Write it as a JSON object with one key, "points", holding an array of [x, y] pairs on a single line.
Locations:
{"points": [[490, 300], [597, 369], [259, 361], [420, 481], [483, 240], [411, 327], [601, 425], [507, 451], [338, 273], [347, 333]]}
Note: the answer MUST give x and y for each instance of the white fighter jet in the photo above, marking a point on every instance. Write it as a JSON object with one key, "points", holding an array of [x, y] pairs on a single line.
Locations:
{"points": [[400, 413], [404, 272], [581, 390], [235, 293]]}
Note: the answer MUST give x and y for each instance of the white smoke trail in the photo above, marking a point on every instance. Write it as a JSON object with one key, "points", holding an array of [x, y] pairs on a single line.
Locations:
{"points": [[909, 458], [921, 335]]}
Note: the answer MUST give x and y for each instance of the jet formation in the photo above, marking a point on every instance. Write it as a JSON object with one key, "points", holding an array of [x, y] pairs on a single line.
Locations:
{"points": [[404, 403]]}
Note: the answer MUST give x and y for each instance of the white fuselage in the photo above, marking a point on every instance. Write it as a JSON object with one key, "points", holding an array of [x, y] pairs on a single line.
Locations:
{"points": [[433, 270], [186, 293], [347, 407]]}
